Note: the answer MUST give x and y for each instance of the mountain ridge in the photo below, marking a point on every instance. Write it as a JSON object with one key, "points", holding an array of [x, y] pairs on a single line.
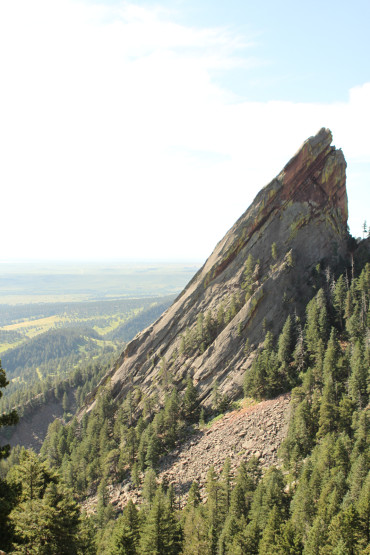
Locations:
{"points": [[303, 212], [195, 464]]}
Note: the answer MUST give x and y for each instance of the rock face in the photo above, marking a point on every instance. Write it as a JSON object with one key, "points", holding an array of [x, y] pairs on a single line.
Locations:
{"points": [[295, 222]]}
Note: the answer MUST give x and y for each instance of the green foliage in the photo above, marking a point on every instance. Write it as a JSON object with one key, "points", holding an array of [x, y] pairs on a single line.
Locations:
{"points": [[161, 532], [53, 344], [270, 373], [191, 408], [50, 340], [197, 339], [193, 497], [196, 540], [81, 380], [149, 486], [126, 532], [319, 504], [8, 492], [6, 419], [45, 517], [274, 252], [250, 276]]}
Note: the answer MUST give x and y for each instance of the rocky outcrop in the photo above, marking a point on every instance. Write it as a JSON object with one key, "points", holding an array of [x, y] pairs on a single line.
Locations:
{"points": [[295, 222], [255, 430]]}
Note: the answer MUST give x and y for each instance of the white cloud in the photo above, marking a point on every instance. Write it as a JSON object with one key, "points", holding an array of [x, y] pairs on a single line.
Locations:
{"points": [[115, 140]]}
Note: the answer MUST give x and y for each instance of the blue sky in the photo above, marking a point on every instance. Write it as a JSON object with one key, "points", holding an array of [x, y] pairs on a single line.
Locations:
{"points": [[145, 129], [305, 51]]}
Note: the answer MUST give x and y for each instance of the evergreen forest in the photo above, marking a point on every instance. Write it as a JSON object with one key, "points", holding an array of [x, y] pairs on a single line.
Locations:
{"points": [[55, 351], [316, 502]]}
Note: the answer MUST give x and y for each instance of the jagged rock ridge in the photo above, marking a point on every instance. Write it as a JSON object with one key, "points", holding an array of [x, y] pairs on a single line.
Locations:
{"points": [[303, 211]]}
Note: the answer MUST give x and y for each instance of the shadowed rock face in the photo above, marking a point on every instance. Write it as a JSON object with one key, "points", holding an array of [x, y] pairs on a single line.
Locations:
{"points": [[304, 212]]}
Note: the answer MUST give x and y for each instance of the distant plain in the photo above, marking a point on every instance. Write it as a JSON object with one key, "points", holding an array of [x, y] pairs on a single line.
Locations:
{"points": [[55, 317], [23, 283]]}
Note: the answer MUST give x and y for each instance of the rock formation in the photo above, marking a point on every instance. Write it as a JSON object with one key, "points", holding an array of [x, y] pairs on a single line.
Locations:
{"points": [[297, 221]]}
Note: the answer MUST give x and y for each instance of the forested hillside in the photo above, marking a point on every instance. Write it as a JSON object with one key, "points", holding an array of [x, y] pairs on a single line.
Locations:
{"points": [[318, 502], [280, 311], [55, 344], [55, 350]]}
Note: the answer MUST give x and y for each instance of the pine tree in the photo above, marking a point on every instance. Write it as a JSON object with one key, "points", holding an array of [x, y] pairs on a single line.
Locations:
{"points": [[194, 496], [165, 372], [213, 508], [339, 299], [153, 451], [104, 507], [225, 489], [47, 518], [141, 453], [87, 536], [191, 402], [344, 533], [285, 343], [182, 349], [231, 530], [32, 475], [269, 493], [149, 485], [312, 332], [330, 367], [6, 419], [171, 417], [65, 402], [126, 532], [316, 537], [250, 539], [220, 318], [357, 384], [265, 379], [8, 500], [271, 532], [135, 474], [288, 540], [363, 509], [7, 492], [131, 444], [161, 532], [210, 330], [196, 541], [171, 496], [199, 329], [328, 409], [302, 505], [299, 354]]}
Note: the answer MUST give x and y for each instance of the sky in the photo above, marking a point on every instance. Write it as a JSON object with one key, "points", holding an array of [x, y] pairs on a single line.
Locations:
{"points": [[143, 130]]}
